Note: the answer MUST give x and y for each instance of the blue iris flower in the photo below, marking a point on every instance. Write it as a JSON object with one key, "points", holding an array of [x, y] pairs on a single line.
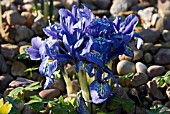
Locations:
{"points": [[110, 39], [66, 42], [35, 52], [89, 42]]}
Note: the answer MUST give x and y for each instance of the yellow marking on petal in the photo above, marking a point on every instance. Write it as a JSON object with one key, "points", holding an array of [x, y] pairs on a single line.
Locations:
{"points": [[50, 60]]}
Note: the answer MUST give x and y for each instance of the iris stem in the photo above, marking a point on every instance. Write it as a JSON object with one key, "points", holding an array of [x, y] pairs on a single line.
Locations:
{"points": [[110, 67], [68, 82], [46, 11], [35, 7], [84, 87]]}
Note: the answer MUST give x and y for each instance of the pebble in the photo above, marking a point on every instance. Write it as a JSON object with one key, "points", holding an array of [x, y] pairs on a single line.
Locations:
{"points": [[59, 84], [38, 26], [139, 79], [150, 35], [28, 7], [154, 91], [168, 92], [125, 82], [49, 93], [138, 54], [29, 18], [147, 57], [9, 51], [125, 67], [14, 18], [104, 4], [167, 104], [156, 102], [124, 57], [20, 82], [69, 3], [23, 33], [155, 70], [5, 79], [28, 110], [7, 91], [140, 67], [3, 66], [140, 110], [162, 57], [18, 69], [160, 24], [23, 47], [154, 19], [166, 35], [8, 33], [163, 7], [146, 15], [115, 9]]}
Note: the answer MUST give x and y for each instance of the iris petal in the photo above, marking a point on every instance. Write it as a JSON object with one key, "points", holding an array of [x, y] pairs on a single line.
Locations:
{"points": [[99, 91], [95, 58], [48, 82], [33, 53], [88, 68], [36, 42]]}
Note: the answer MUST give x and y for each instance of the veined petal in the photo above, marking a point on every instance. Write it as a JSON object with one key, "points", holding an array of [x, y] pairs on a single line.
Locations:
{"points": [[63, 57], [78, 43], [117, 23], [79, 66], [89, 68], [95, 58], [129, 51], [130, 23], [47, 67], [36, 42], [33, 53], [99, 73], [82, 108], [139, 40], [53, 31], [87, 47], [66, 43], [48, 83], [99, 92]]}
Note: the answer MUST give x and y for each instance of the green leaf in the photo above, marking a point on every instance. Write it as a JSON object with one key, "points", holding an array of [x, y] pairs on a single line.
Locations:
{"points": [[167, 79], [57, 74], [13, 101], [38, 106], [128, 105], [34, 99], [16, 91], [167, 73], [129, 75], [23, 56], [116, 102], [31, 69], [157, 78], [33, 86], [161, 82]]}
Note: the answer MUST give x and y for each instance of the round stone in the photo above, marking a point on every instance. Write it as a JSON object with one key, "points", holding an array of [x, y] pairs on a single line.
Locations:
{"points": [[50, 93], [147, 57], [139, 79], [155, 70], [125, 67], [140, 67]]}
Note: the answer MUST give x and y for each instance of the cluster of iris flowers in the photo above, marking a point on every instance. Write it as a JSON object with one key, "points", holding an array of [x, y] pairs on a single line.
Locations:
{"points": [[88, 42]]}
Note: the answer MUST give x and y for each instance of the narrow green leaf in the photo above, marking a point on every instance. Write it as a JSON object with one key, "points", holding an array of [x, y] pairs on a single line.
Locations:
{"points": [[16, 91], [33, 86]]}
